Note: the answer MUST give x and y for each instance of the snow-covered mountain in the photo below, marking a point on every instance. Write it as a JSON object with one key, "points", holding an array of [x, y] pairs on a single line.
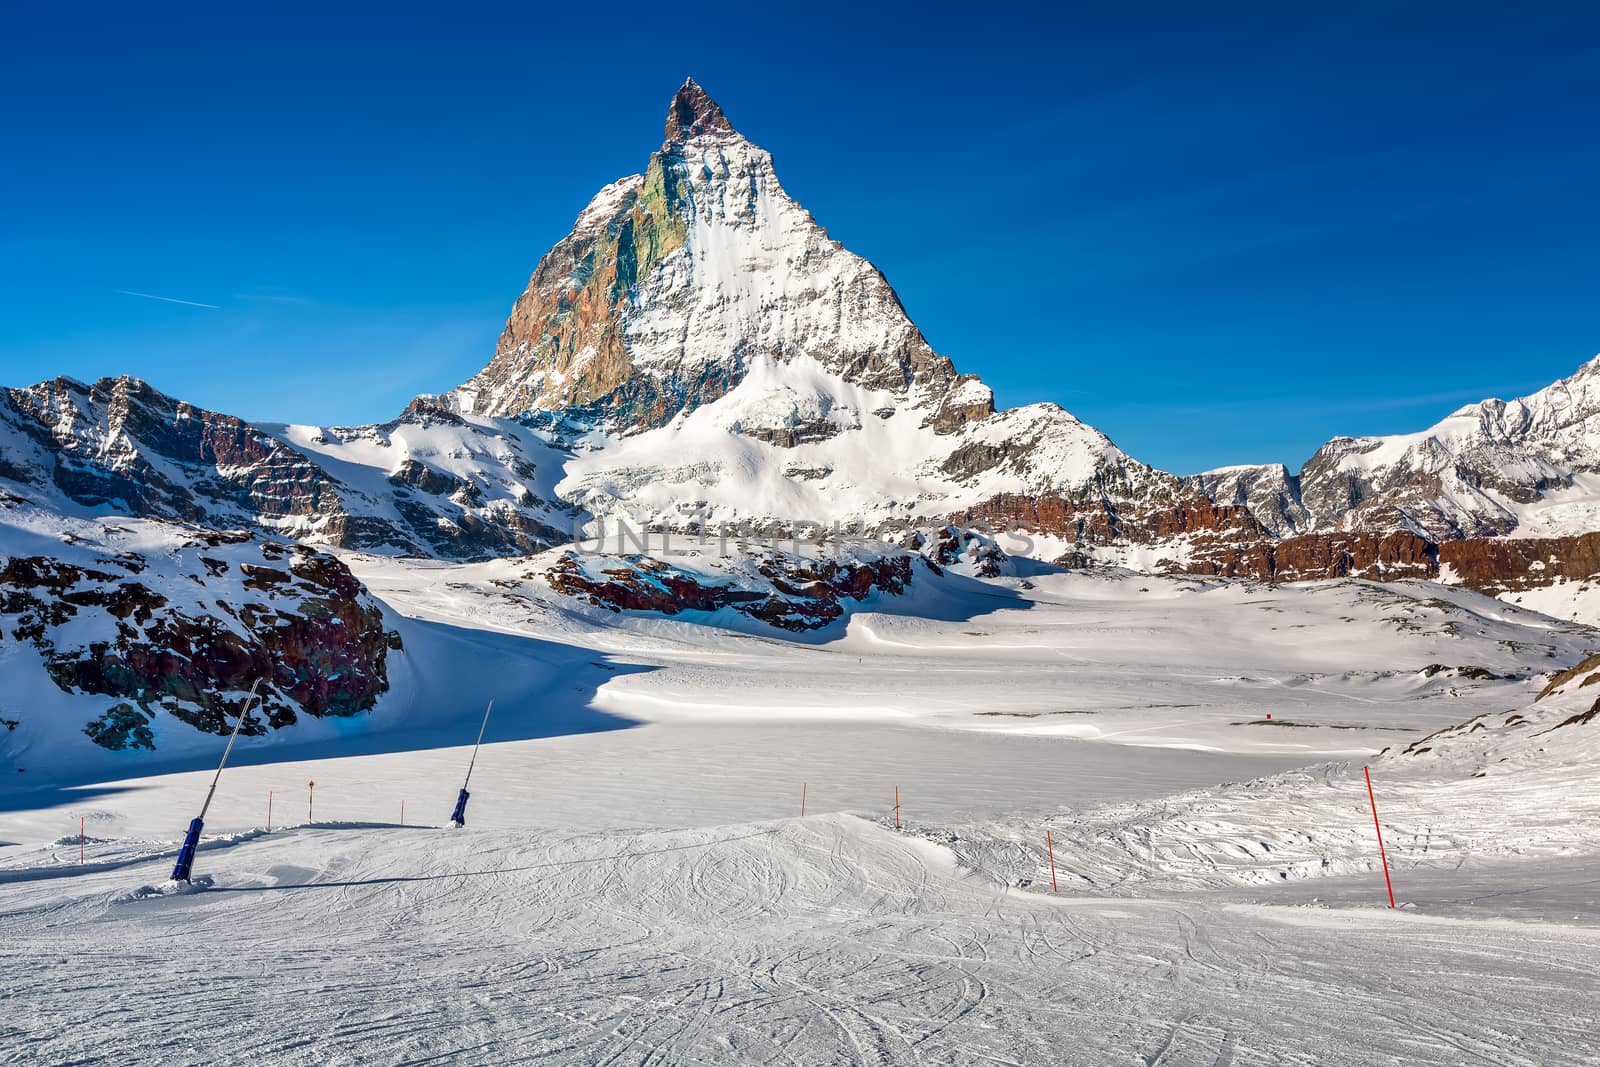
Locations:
{"points": [[674, 283], [729, 363], [698, 354], [1530, 465], [430, 482], [1500, 495]]}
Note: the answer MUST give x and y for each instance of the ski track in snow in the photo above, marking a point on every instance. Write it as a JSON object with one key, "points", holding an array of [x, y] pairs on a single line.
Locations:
{"points": [[825, 940]]}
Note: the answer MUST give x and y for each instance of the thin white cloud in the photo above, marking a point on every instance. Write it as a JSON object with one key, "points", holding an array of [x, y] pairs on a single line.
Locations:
{"points": [[170, 299]]}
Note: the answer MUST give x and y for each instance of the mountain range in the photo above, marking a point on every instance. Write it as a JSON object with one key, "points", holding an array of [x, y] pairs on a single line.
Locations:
{"points": [[698, 355]]}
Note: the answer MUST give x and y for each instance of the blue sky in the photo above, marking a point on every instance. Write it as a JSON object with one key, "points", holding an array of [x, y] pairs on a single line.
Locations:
{"points": [[1221, 236]]}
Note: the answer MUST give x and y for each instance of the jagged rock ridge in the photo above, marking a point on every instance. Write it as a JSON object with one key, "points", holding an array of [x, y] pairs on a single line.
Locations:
{"points": [[429, 483]]}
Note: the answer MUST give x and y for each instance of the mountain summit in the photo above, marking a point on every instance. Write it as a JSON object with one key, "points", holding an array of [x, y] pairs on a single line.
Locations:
{"points": [[696, 310], [693, 113], [675, 282], [724, 358]]}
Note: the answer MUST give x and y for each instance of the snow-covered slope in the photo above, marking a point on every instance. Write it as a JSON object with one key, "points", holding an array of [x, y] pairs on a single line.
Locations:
{"points": [[437, 483], [798, 443], [430, 482], [1529, 466], [655, 893]]}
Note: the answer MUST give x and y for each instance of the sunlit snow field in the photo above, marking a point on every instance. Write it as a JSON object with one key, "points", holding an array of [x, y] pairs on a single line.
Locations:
{"points": [[636, 885]]}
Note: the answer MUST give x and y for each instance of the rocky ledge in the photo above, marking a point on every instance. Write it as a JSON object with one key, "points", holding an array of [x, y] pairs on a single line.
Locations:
{"points": [[788, 592], [188, 641]]}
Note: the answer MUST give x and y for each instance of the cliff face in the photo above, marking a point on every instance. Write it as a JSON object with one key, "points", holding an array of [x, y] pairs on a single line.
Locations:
{"points": [[121, 443], [165, 624], [1509, 565]]}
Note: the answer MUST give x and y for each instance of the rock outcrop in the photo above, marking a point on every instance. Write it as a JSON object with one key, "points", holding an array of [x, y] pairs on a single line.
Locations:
{"points": [[183, 632], [1513, 564], [788, 592]]}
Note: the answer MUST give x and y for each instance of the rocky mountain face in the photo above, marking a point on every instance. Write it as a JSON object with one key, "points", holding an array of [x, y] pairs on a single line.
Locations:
{"points": [[1501, 495], [1488, 469], [675, 281], [730, 364], [429, 483], [163, 625]]}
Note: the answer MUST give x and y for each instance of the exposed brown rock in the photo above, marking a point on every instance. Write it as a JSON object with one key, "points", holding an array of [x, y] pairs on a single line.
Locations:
{"points": [[315, 636], [1335, 555], [1497, 565], [953, 414], [693, 113], [793, 436], [801, 595], [101, 436], [1588, 666]]}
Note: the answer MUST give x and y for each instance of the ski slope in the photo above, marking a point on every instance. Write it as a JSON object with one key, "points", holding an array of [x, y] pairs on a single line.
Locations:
{"points": [[830, 939], [636, 885], [634, 897]]}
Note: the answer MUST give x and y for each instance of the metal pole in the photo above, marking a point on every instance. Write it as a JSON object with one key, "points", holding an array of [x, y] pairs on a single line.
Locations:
{"points": [[459, 816], [191, 840], [1381, 854], [482, 727], [231, 737]]}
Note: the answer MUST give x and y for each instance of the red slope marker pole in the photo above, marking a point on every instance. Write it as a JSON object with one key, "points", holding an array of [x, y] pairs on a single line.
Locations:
{"points": [[802, 800], [1050, 847], [311, 795], [1381, 855]]}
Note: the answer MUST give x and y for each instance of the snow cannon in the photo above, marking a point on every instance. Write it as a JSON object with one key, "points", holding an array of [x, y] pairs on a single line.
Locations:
{"points": [[191, 841], [458, 818]]}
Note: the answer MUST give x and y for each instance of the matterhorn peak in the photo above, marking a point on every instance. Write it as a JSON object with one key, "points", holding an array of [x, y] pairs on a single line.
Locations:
{"points": [[693, 113]]}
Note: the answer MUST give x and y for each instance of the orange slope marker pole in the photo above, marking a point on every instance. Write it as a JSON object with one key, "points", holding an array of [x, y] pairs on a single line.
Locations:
{"points": [[897, 807], [1381, 854], [1050, 847]]}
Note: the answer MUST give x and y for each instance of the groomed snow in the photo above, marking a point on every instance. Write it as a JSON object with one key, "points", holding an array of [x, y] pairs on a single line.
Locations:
{"points": [[632, 893]]}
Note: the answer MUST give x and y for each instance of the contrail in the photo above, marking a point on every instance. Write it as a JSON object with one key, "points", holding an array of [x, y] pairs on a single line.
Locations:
{"points": [[170, 299]]}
